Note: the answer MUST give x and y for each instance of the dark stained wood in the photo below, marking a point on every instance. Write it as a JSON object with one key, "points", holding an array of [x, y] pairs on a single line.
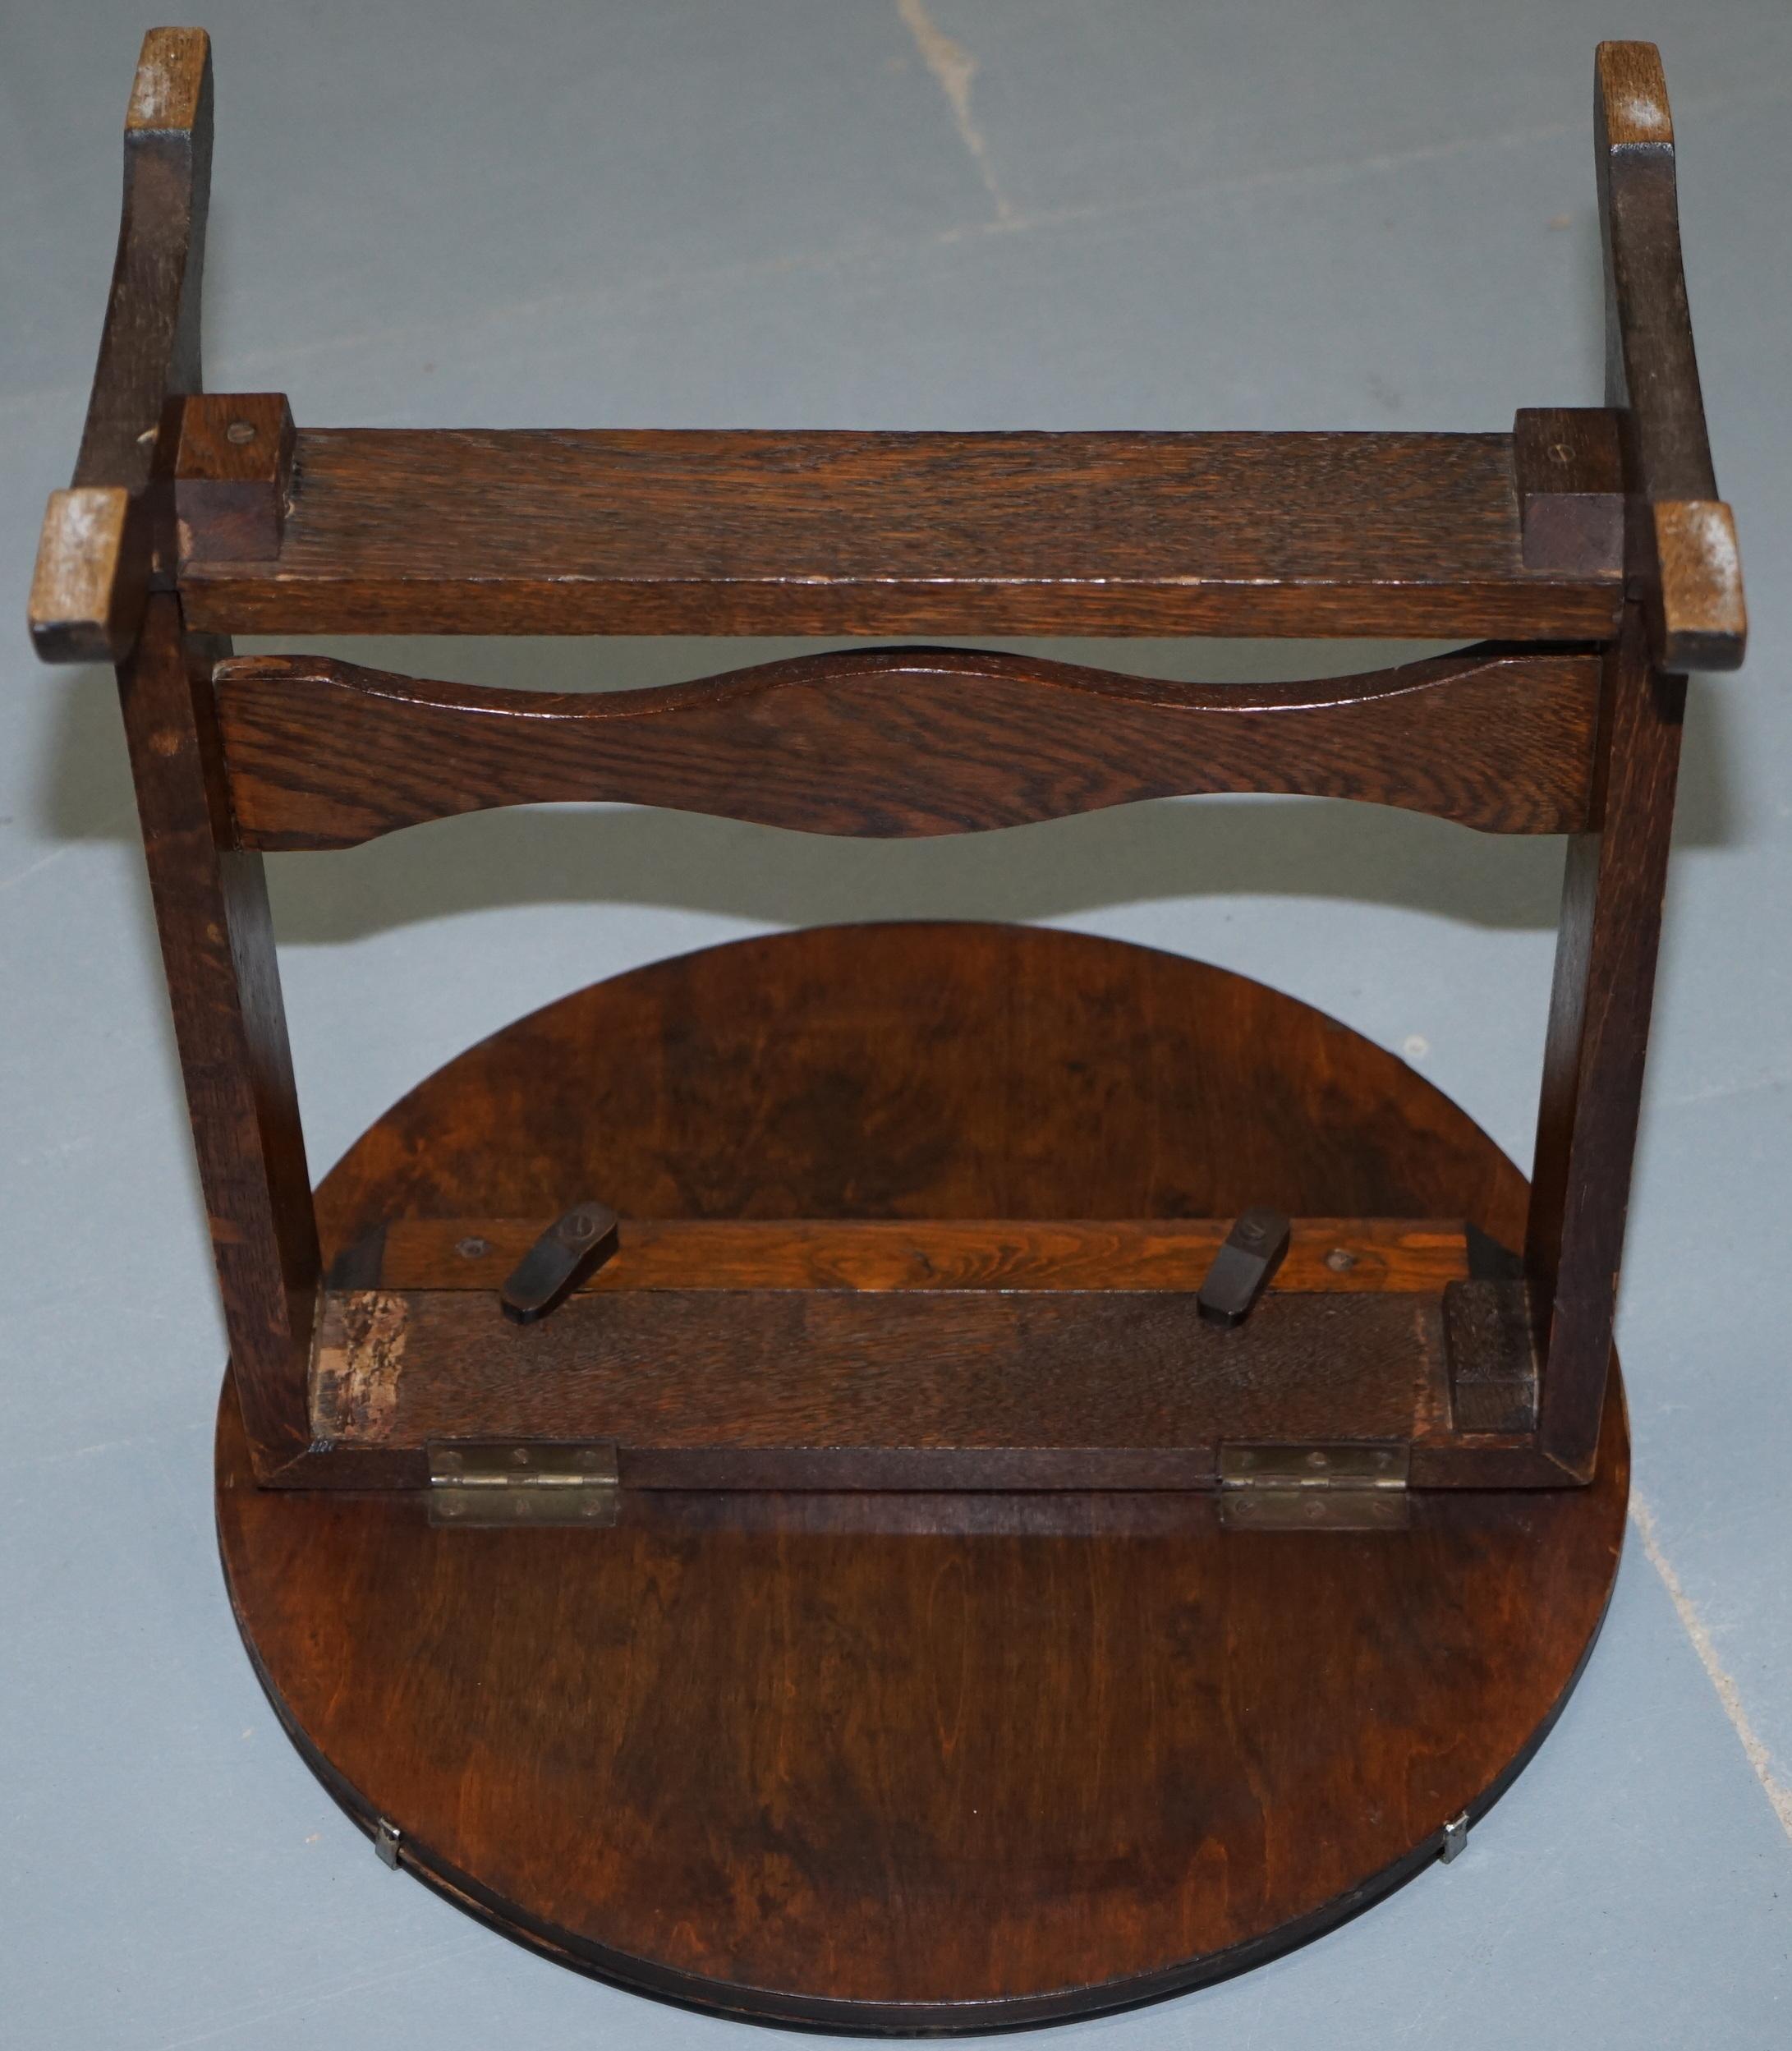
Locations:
{"points": [[959, 1761], [150, 346], [210, 901], [1326, 1255], [1193, 1093], [1569, 466], [901, 742], [98, 553], [90, 576], [877, 1003], [217, 949], [671, 531], [930, 1389], [1682, 538], [1095, 1747], [232, 473], [1489, 1340], [1598, 1038]]}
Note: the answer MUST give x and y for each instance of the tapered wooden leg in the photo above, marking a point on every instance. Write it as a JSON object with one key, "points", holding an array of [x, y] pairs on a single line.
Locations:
{"points": [[1598, 1033], [211, 909]]}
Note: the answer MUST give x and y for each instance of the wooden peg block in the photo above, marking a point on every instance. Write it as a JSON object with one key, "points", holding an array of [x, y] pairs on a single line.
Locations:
{"points": [[88, 588], [232, 475], [1704, 623], [1569, 472]]}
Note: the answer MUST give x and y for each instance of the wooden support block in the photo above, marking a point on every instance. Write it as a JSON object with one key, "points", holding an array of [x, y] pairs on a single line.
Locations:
{"points": [[1488, 1333], [1569, 471], [930, 1353], [233, 475], [1704, 621], [993, 1388], [91, 577]]}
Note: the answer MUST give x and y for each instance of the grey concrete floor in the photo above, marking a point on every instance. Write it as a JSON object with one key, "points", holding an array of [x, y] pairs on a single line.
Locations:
{"points": [[964, 214]]}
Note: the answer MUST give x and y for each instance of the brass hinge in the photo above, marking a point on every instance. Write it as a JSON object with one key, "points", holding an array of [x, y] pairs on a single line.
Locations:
{"points": [[513, 1481], [1343, 1487]]}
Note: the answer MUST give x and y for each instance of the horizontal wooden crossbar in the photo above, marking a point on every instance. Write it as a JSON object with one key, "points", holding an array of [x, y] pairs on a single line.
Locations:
{"points": [[1325, 1256], [932, 1354], [904, 741], [675, 532]]}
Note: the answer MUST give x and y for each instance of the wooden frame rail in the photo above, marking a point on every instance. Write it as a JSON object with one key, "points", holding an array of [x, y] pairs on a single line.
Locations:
{"points": [[1599, 528], [929, 1354], [904, 741], [895, 535]]}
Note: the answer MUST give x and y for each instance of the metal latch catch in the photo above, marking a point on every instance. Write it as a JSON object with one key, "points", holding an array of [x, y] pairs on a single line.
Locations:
{"points": [[1243, 1269], [514, 1482], [574, 1246]]}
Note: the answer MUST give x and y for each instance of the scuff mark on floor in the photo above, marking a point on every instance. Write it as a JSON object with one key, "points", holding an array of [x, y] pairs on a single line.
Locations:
{"points": [[1728, 1694], [954, 67]]}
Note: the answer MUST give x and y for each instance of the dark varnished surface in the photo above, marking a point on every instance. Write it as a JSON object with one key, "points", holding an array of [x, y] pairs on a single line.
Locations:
{"points": [[775, 1388], [891, 742], [686, 531], [1613, 890], [218, 947], [1681, 547], [892, 1763]]}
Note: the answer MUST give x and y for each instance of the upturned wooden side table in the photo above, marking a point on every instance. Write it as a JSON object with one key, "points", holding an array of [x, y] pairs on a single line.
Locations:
{"points": [[917, 1476]]}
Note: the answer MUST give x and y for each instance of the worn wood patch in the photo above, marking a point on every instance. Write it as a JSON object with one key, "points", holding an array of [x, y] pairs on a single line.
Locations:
{"points": [[83, 605]]}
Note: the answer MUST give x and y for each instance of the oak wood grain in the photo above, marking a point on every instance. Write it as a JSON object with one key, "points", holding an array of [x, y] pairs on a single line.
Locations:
{"points": [[150, 345], [1098, 1747], [88, 594], [1682, 536], [233, 470], [903, 742], [742, 1388], [1325, 1255], [1569, 463], [1612, 894], [685, 531], [943, 1047], [218, 950]]}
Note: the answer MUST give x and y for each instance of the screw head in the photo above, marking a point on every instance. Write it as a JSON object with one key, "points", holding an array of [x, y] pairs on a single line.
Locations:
{"points": [[241, 432], [474, 1248], [1340, 1260]]}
